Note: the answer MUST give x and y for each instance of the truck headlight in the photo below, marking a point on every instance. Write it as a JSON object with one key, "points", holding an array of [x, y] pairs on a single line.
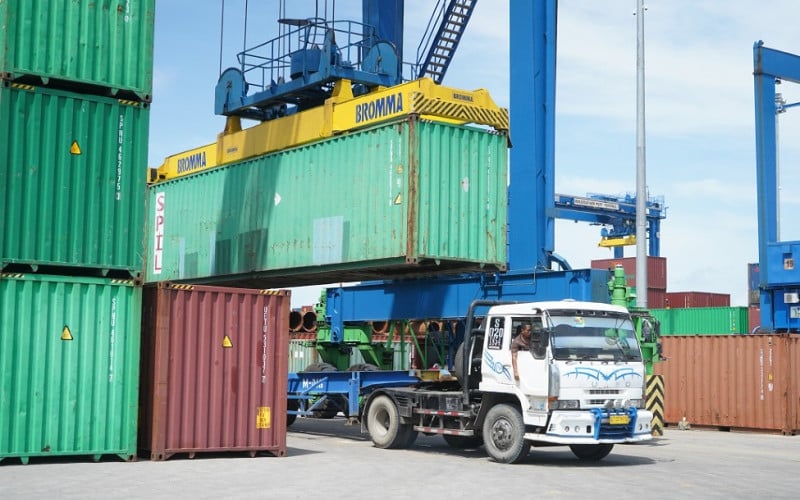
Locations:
{"points": [[636, 403], [566, 404]]}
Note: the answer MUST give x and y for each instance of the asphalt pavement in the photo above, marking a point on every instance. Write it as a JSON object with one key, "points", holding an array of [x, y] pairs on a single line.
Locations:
{"points": [[327, 459]]}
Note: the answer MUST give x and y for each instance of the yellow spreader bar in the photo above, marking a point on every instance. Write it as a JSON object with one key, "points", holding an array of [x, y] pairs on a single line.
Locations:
{"points": [[618, 242], [341, 113]]}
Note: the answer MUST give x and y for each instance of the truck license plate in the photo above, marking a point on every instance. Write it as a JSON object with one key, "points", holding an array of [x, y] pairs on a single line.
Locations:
{"points": [[618, 419]]}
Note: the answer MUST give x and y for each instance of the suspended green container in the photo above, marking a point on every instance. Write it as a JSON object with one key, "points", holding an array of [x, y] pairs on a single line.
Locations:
{"points": [[105, 43], [702, 320], [73, 168], [403, 199], [69, 366]]}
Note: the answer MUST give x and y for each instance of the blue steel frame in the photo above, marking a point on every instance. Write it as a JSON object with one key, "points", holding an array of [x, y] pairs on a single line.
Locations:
{"points": [[622, 218], [779, 276], [531, 205], [304, 387]]}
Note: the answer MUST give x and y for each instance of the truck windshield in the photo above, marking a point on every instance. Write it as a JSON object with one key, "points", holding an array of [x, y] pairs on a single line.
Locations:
{"points": [[593, 338]]}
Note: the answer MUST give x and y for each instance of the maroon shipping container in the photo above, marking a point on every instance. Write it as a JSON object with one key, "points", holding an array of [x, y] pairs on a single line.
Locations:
{"points": [[753, 318], [681, 300], [656, 270], [656, 298], [732, 381], [214, 370]]}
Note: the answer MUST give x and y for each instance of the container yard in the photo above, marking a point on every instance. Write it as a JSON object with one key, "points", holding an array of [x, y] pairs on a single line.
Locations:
{"points": [[150, 300]]}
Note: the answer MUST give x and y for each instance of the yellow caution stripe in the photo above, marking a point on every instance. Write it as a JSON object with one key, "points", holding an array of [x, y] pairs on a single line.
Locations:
{"points": [[22, 86], [176, 286], [654, 402]]}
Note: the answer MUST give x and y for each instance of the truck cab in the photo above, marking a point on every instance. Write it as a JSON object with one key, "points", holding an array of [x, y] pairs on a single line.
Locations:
{"points": [[580, 382]]}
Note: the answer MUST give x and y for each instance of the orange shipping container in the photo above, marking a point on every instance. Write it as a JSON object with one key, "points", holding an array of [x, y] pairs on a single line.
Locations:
{"points": [[733, 381], [214, 370]]}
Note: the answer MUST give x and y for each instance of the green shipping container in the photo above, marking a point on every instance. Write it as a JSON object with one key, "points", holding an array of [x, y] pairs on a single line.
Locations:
{"points": [[107, 43], [407, 198], [73, 168], [702, 320], [69, 366]]}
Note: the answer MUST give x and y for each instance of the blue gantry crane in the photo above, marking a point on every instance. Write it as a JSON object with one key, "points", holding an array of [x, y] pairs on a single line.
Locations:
{"points": [[617, 215], [779, 275]]}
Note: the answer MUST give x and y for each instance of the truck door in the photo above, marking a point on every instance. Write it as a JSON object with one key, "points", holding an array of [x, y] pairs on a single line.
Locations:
{"points": [[532, 362]]}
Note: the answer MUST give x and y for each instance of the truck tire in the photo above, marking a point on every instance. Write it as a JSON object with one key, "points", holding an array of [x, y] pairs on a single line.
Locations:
{"points": [[410, 436], [504, 434], [475, 366], [463, 442], [385, 427], [291, 404], [363, 367], [591, 452]]}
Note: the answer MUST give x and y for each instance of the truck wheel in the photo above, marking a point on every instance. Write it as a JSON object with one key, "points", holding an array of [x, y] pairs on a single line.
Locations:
{"points": [[291, 404], [504, 434], [463, 442], [591, 452], [363, 367], [384, 425], [409, 436]]}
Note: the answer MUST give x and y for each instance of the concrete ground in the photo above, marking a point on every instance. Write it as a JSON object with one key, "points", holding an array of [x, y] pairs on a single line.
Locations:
{"points": [[329, 460]]}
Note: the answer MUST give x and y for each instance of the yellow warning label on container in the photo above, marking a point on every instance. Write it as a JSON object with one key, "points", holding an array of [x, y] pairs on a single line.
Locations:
{"points": [[75, 149], [263, 420], [398, 200], [66, 334], [226, 342]]}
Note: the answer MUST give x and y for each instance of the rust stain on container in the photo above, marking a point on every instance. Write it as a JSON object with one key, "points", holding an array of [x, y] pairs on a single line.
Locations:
{"points": [[733, 381], [200, 393]]}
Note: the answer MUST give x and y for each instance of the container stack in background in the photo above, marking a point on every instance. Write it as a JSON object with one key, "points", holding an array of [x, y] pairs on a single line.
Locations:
{"points": [[74, 116], [656, 276]]}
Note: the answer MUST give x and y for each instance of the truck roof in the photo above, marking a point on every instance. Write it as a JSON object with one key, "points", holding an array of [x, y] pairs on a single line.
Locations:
{"points": [[532, 307]]}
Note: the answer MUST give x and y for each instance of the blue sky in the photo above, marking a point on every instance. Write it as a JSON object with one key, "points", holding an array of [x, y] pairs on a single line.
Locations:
{"points": [[699, 110]]}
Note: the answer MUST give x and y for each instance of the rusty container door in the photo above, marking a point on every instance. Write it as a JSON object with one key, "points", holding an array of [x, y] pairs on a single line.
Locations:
{"points": [[214, 370], [733, 381]]}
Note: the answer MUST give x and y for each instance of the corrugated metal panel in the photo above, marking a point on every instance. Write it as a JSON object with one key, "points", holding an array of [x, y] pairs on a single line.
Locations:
{"points": [[656, 270], [702, 320], [753, 284], [214, 370], [69, 366], [697, 299], [73, 168], [101, 42], [301, 354], [753, 319], [397, 200], [656, 298], [747, 381]]}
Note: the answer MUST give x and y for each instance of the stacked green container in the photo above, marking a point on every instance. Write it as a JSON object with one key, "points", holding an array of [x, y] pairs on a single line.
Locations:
{"points": [[69, 366], [702, 320], [103, 44], [73, 168], [75, 83]]}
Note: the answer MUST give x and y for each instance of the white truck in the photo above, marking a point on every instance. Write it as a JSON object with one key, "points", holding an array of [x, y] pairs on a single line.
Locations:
{"points": [[581, 384]]}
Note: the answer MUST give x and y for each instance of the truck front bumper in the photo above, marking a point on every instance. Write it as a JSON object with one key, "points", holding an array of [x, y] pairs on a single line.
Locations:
{"points": [[596, 426]]}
